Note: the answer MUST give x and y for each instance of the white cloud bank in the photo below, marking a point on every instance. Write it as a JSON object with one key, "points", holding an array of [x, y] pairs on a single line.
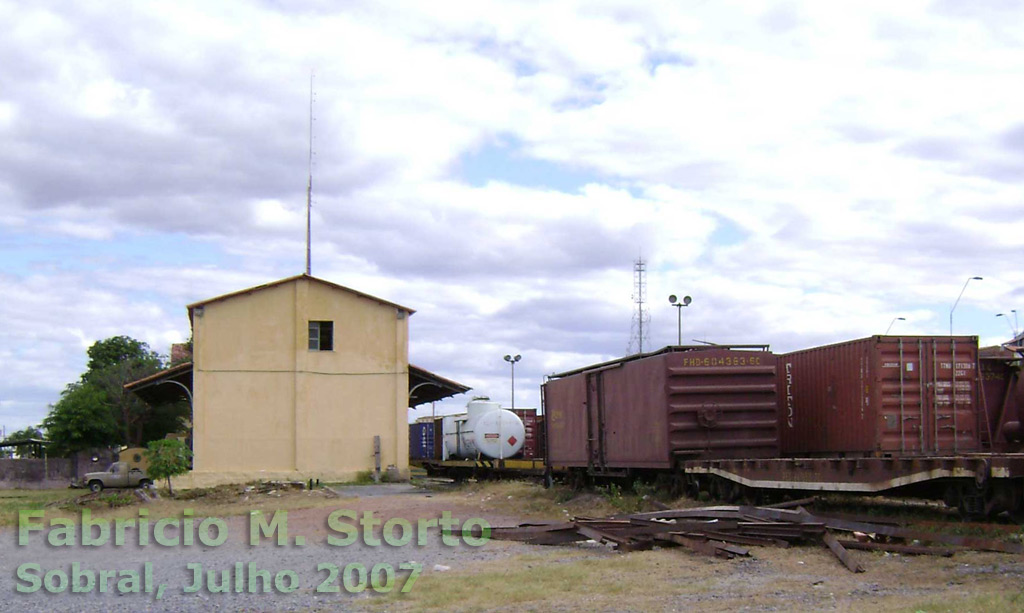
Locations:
{"points": [[806, 171]]}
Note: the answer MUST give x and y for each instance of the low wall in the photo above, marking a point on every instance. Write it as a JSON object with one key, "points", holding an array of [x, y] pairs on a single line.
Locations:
{"points": [[37, 474], [49, 473]]}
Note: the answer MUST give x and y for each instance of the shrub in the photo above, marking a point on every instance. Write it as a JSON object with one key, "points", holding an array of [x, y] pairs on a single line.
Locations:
{"points": [[168, 458]]}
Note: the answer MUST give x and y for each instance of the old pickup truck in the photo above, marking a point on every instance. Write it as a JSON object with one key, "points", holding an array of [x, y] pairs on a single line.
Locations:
{"points": [[120, 474]]}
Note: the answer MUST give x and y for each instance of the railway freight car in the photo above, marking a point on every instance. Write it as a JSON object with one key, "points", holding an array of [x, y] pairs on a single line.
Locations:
{"points": [[904, 415], [645, 414], [883, 395], [484, 442], [1003, 395]]}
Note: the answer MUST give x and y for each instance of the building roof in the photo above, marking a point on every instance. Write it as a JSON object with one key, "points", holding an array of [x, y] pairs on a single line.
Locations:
{"points": [[284, 281], [424, 386], [150, 389], [639, 356]]}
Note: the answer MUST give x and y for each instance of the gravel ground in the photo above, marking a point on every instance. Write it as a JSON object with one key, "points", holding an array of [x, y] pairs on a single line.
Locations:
{"points": [[170, 564]]}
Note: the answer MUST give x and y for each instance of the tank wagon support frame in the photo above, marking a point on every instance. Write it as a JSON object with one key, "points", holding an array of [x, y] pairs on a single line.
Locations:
{"points": [[483, 468], [978, 484]]}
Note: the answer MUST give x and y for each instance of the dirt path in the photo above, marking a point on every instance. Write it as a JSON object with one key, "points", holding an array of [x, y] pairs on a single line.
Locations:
{"points": [[53, 581]]}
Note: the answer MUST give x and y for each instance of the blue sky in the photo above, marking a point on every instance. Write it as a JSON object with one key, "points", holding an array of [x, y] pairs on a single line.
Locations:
{"points": [[805, 171]]}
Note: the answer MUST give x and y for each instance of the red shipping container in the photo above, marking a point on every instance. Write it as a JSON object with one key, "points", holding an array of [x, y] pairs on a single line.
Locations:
{"points": [[882, 395], [1003, 395], [651, 410], [529, 419]]}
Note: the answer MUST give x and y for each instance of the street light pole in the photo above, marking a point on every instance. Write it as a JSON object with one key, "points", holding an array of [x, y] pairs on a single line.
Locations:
{"points": [[969, 279], [512, 361], [679, 315], [894, 320]]}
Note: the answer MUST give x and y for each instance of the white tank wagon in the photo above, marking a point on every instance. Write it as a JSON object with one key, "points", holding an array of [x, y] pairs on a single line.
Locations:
{"points": [[484, 430]]}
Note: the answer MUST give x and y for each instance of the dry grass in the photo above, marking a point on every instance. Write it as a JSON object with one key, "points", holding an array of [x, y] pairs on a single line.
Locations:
{"points": [[12, 501], [530, 500], [589, 579], [554, 578], [800, 579], [117, 504], [986, 603]]}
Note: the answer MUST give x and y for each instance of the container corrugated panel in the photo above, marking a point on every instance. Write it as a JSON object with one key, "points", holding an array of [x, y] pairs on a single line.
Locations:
{"points": [[680, 402], [421, 441], [529, 419], [1003, 396], [723, 404], [882, 395]]}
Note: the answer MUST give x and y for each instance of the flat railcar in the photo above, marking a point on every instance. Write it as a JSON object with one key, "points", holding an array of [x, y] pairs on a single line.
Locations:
{"points": [[916, 416], [905, 416]]}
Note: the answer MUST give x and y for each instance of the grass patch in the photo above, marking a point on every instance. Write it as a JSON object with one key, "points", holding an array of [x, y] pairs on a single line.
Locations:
{"points": [[110, 500], [927, 516], [987, 603], [222, 501], [363, 477], [540, 582], [12, 501], [531, 500]]}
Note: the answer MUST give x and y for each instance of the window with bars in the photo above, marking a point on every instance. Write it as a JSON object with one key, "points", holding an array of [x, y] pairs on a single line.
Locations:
{"points": [[321, 336]]}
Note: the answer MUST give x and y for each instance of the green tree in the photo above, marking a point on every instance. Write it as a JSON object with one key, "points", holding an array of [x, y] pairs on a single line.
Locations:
{"points": [[113, 362], [168, 458], [118, 350], [81, 419]]}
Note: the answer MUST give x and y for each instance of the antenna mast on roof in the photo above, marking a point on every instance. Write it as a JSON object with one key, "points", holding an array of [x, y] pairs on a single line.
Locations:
{"points": [[309, 184]]}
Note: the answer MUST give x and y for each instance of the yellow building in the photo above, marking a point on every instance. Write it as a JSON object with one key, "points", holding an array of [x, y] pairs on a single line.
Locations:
{"points": [[299, 379]]}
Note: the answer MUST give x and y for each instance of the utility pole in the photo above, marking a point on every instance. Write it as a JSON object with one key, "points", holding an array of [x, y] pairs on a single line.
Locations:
{"points": [[309, 186]]}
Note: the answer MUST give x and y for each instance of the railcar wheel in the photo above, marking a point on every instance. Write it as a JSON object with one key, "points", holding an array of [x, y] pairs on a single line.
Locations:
{"points": [[973, 503]]}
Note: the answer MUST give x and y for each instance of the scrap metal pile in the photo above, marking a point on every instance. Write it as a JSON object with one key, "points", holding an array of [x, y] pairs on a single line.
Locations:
{"points": [[728, 531]]}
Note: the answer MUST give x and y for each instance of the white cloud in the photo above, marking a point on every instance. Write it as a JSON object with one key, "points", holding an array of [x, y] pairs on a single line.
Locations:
{"points": [[806, 171]]}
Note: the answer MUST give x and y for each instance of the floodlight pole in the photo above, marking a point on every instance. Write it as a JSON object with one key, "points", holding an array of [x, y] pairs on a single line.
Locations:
{"points": [[512, 362], [679, 315], [894, 320], [969, 279]]}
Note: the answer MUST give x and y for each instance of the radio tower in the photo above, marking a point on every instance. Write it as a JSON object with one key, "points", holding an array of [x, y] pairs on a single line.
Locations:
{"points": [[639, 331], [309, 186]]}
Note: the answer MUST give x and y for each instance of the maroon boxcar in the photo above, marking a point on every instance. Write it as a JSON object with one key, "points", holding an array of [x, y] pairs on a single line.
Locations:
{"points": [[882, 395], [650, 411]]}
